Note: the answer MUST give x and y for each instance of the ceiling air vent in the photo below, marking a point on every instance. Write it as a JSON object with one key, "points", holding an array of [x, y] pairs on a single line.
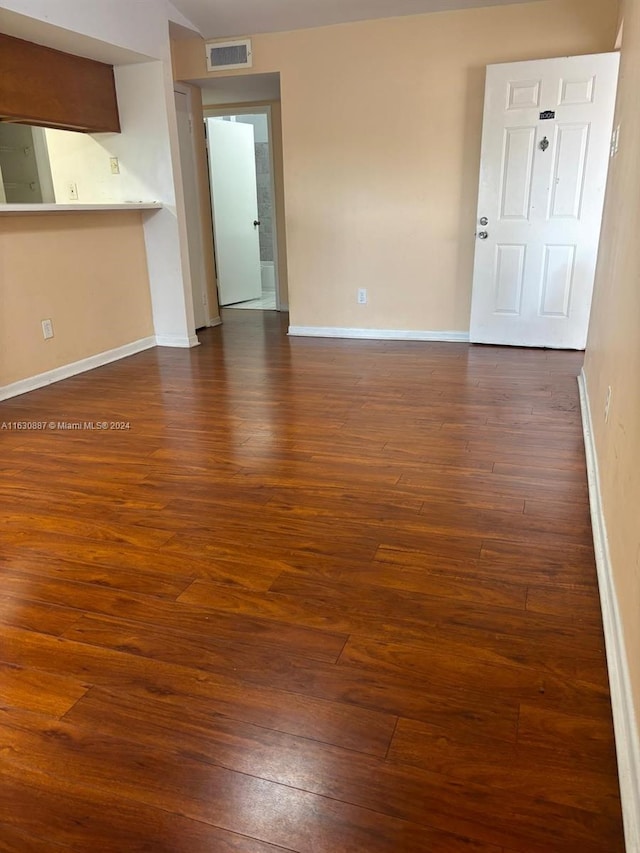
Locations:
{"points": [[226, 55]]}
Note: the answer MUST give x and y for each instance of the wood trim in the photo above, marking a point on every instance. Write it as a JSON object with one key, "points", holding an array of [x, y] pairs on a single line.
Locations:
{"points": [[50, 88], [624, 718]]}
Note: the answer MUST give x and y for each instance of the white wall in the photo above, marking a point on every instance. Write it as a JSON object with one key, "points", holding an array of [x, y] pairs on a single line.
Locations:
{"points": [[84, 160], [142, 148], [125, 32]]}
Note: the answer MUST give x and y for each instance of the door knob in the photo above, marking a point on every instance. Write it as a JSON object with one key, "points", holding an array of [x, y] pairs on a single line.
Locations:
{"points": [[256, 222], [484, 221], [482, 235]]}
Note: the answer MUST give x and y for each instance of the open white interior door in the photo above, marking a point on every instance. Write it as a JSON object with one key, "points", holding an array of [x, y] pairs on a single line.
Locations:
{"points": [[234, 202], [545, 154]]}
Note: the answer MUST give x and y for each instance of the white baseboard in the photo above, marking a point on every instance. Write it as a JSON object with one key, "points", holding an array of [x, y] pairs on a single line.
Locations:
{"points": [[624, 717], [214, 321], [50, 376], [377, 334], [177, 341]]}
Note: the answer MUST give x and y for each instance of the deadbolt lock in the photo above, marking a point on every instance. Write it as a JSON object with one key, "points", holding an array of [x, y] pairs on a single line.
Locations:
{"points": [[484, 221]]}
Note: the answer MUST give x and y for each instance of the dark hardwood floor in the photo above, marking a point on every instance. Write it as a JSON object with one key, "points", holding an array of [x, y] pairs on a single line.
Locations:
{"points": [[320, 596]]}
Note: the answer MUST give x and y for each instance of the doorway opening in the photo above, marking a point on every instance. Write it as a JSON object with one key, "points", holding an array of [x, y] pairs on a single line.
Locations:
{"points": [[25, 171], [243, 200]]}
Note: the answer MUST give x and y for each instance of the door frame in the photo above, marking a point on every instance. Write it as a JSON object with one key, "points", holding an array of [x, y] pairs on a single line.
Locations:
{"points": [[262, 109], [180, 89], [41, 152]]}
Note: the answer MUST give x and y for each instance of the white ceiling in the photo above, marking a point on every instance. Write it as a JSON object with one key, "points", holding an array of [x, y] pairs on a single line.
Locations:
{"points": [[42, 32], [222, 18]]}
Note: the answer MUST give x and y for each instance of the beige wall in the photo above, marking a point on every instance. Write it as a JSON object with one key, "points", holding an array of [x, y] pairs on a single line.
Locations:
{"points": [[87, 272], [381, 127], [613, 350]]}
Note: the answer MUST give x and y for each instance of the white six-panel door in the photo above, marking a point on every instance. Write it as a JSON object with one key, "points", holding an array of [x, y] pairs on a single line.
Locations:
{"points": [[545, 154]]}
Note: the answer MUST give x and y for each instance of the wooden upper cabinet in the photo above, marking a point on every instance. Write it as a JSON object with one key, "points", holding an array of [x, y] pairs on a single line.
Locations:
{"points": [[43, 86]]}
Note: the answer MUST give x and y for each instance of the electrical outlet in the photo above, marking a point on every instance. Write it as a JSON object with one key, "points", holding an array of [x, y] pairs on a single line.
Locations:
{"points": [[607, 405], [115, 165], [73, 191], [362, 296], [47, 329]]}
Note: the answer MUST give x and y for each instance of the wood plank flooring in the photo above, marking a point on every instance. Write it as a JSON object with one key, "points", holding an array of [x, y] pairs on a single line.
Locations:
{"points": [[318, 596]]}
